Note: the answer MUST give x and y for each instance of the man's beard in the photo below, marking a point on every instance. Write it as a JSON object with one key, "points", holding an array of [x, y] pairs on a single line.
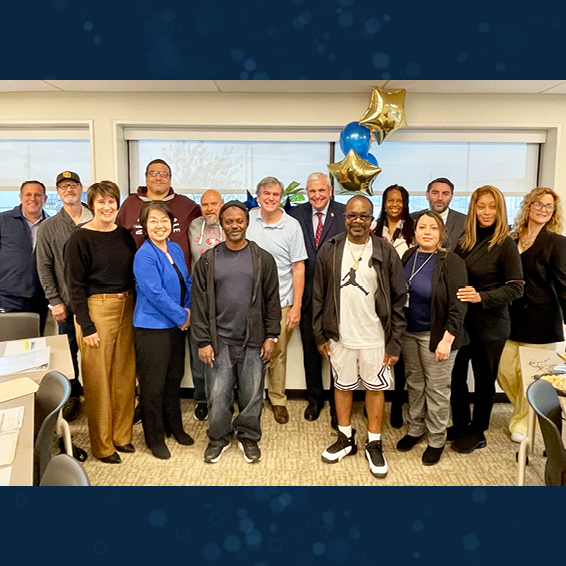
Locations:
{"points": [[211, 221]]}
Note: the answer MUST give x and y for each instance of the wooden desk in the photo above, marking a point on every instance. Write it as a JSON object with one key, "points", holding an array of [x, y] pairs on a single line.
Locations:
{"points": [[14, 394], [60, 360], [534, 361]]}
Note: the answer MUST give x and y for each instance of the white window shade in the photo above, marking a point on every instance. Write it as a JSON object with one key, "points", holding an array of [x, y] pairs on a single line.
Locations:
{"points": [[328, 134], [45, 132]]}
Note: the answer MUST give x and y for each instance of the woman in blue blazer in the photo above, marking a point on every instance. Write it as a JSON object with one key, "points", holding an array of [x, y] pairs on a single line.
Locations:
{"points": [[161, 316]]}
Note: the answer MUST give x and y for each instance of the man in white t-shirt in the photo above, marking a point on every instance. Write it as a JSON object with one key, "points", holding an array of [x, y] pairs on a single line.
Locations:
{"points": [[272, 229], [358, 319]]}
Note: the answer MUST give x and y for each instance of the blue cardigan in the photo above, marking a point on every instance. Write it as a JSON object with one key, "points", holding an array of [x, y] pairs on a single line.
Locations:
{"points": [[158, 288]]}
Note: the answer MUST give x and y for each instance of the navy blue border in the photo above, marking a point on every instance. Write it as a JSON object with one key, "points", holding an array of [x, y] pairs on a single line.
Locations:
{"points": [[286, 39]]}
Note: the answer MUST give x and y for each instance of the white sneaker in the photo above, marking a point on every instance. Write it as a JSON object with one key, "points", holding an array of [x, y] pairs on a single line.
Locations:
{"points": [[517, 437], [376, 459], [343, 447]]}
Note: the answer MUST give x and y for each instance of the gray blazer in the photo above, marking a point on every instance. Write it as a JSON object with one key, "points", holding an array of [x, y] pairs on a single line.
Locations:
{"points": [[455, 226]]}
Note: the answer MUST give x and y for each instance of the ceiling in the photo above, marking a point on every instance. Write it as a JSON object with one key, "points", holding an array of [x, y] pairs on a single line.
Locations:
{"points": [[442, 87]]}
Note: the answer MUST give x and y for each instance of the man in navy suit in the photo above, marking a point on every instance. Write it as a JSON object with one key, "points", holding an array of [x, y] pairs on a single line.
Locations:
{"points": [[439, 193], [320, 219]]}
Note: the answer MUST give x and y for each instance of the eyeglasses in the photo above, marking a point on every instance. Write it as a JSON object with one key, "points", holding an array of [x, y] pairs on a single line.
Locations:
{"points": [[162, 174], [65, 186], [537, 205], [363, 217]]}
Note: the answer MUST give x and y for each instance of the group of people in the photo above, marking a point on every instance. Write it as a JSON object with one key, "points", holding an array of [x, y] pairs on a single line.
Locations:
{"points": [[406, 297]]}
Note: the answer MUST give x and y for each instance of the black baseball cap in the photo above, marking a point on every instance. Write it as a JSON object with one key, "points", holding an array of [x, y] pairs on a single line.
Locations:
{"points": [[67, 176]]}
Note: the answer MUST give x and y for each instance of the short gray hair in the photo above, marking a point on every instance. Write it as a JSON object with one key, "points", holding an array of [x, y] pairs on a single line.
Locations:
{"points": [[317, 177], [268, 182]]}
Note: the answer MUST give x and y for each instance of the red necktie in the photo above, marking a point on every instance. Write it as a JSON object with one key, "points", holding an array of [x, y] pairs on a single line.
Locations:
{"points": [[318, 229]]}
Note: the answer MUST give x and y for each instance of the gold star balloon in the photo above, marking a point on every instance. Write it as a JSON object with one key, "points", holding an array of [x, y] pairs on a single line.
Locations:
{"points": [[354, 174], [385, 113]]}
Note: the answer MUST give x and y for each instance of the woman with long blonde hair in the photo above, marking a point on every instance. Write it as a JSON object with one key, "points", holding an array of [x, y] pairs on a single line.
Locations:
{"points": [[495, 278], [537, 318]]}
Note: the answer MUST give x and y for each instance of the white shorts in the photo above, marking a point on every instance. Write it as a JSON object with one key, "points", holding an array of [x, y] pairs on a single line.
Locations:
{"points": [[349, 367]]}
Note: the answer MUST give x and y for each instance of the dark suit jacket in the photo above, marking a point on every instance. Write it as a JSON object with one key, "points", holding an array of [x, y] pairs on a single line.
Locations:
{"points": [[497, 275], [333, 225], [538, 316], [447, 312], [455, 226]]}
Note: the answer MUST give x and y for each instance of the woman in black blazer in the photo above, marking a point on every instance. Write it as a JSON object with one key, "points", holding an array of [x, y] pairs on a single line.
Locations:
{"points": [[495, 278], [537, 318], [435, 331]]}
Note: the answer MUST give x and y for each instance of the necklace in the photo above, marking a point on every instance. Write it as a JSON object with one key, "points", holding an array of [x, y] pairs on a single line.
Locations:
{"points": [[526, 243], [357, 261]]}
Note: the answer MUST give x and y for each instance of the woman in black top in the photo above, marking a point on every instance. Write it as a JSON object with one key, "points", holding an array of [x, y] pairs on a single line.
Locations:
{"points": [[435, 331], [99, 274], [495, 278], [396, 226], [537, 318]]}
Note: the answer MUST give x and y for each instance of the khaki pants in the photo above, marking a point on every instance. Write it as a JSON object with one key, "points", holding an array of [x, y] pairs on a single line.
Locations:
{"points": [[109, 374], [510, 380], [278, 371]]}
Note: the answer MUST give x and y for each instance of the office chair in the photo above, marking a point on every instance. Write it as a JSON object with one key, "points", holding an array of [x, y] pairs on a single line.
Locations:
{"points": [[18, 325], [50, 398], [544, 400], [63, 470]]}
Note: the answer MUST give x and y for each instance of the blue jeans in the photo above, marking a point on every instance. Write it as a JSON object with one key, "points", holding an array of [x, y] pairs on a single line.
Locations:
{"points": [[197, 370], [68, 327], [234, 365]]}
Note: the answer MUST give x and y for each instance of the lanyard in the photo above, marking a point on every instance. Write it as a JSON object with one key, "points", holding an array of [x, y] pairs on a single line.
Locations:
{"points": [[413, 272]]}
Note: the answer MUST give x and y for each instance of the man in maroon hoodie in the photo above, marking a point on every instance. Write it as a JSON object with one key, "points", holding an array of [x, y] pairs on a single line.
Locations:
{"points": [[158, 187]]}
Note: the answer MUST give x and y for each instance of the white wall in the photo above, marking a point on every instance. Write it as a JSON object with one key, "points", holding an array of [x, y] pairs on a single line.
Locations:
{"points": [[109, 112]]}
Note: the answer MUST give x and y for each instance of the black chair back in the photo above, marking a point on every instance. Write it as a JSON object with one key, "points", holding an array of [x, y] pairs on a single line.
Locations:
{"points": [[18, 325], [544, 400], [63, 470], [50, 398]]}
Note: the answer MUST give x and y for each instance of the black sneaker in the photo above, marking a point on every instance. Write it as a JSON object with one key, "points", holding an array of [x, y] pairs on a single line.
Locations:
{"points": [[344, 446], [469, 442], [408, 442], [214, 452], [376, 459], [432, 455], [252, 453], [201, 411], [72, 409]]}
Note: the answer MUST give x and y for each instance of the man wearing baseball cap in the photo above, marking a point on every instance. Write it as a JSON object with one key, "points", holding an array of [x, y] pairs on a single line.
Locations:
{"points": [[51, 239]]}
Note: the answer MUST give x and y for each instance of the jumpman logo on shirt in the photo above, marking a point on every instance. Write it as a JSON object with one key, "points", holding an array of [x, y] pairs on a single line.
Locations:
{"points": [[351, 275]]}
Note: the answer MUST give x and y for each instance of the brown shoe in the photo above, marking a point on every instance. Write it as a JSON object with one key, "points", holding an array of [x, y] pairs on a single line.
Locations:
{"points": [[281, 414]]}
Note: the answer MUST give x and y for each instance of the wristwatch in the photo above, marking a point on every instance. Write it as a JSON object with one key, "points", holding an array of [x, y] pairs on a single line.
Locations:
{"points": [[274, 340]]}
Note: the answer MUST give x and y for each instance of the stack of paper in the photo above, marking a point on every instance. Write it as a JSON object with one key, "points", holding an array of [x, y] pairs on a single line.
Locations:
{"points": [[25, 355], [10, 424]]}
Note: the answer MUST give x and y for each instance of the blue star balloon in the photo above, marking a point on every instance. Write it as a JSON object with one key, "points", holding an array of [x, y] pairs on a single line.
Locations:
{"points": [[251, 202]]}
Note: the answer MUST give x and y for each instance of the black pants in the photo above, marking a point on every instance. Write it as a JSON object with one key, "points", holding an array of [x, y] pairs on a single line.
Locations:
{"points": [[399, 372], [312, 360], [67, 327], [484, 355], [160, 363]]}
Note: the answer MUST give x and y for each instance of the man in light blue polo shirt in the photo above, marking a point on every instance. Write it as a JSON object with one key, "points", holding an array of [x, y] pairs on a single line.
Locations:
{"points": [[281, 235]]}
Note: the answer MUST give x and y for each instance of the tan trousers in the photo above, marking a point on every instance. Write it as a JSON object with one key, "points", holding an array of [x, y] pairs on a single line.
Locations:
{"points": [[510, 380], [278, 371], [109, 374]]}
